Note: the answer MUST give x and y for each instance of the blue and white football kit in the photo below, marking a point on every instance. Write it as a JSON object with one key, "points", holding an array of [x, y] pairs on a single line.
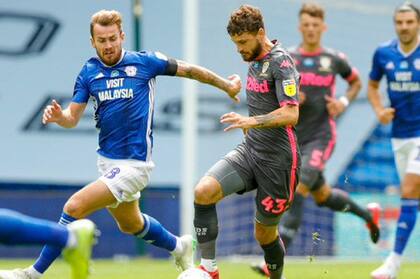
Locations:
{"points": [[402, 71], [124, 101]]}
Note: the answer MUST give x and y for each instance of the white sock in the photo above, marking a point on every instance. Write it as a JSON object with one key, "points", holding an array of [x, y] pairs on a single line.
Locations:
{"points": [[71, 240], [178, 248], [33, 273], [209, 264], [396, 258]]}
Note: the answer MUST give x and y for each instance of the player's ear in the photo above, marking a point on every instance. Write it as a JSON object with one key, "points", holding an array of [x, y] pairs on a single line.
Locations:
{"points": [[92, 42], [324, 27], [122, 35]]}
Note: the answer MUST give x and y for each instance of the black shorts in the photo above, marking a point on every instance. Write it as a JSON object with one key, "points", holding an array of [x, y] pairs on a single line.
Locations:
{"points": [[315, 155], [240, 172]]}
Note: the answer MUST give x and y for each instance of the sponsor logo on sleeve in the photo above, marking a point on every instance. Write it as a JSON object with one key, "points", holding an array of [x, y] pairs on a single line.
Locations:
{"points": [[289, 87]]}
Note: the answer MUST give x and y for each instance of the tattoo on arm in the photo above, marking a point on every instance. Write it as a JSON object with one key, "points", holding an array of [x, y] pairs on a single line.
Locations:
{"points": [[266, 120], [200, 74]]}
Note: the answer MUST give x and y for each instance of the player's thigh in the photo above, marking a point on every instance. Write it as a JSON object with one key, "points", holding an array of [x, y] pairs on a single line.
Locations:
{"points": [[89, 199], [275, 193], [128, 216], [234, 172]]}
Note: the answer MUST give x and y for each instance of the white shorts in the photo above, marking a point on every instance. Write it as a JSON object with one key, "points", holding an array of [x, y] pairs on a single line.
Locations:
{"points": [[407, 155], [124, 178]]}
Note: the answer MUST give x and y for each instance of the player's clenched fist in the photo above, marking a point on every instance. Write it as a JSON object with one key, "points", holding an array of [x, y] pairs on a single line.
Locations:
{"points": [[52, 113], [386, 115], [234, 87]]}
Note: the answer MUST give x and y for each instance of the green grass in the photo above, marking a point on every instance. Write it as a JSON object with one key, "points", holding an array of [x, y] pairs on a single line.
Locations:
{"points": [[164, 269]]}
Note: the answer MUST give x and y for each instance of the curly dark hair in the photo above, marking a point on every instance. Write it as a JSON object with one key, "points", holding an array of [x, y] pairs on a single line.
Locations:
{"points": [[312, 9], [245, 19]]}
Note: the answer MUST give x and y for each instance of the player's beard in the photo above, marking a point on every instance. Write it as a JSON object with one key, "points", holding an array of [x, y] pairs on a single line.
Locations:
{"points": [[406, 38], [253, 53], [112, 60]]}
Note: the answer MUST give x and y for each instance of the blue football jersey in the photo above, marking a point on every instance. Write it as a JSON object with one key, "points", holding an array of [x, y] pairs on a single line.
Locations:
{"points": [[402, 73], [124, 101]]}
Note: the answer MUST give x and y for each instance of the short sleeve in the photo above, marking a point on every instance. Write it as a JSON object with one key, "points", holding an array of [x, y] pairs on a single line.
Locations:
{"points": [[376, 72], [343, 67], [159, 64], [81, 89], [287, 80]]}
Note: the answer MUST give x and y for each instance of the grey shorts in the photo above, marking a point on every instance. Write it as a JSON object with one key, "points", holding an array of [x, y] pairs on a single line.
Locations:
{"points": [[239, 172], [315, 155]]}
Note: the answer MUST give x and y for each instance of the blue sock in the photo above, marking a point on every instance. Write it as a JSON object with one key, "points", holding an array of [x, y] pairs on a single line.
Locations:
{"points": [[154, 233], [18, 229], [50, 253], [405, 223]]}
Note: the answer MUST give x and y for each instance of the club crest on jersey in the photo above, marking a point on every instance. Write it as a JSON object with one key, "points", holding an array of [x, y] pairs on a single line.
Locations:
{"points": [[417, 63], [131, 71], [325, 63], [115, 73], [265, 67], [289, 87]]}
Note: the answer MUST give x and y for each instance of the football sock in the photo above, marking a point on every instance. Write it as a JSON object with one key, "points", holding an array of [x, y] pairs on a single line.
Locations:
{"points": [[50, 253], [405, 224], [340, 201], [274, 258], [206, 229], [17, 228], [154, 233], [291, 220]]}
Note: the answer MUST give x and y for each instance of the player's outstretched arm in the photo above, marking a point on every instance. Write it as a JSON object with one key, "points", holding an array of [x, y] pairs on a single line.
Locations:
{"points": [[284, 116], [384, 115], [231, 85], [67, 118]]}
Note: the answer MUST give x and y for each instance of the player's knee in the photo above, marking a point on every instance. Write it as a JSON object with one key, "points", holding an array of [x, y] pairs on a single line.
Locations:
{"points": [[265, 234], [73, 207], [207, 191], [321, 195]]}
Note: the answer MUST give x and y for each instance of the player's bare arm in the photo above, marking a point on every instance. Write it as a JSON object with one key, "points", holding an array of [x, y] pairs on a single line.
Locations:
{"points": [[384, 115], [284, 116], [231, 85], [67, 118], [336, 107]]}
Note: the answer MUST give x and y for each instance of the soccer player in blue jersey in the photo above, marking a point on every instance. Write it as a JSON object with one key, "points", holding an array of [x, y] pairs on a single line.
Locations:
{"points": [[76, 239], [399, 61], [122, 85]]}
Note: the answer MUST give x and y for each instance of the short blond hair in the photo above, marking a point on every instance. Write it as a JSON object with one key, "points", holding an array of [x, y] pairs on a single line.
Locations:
{"points": [[106, 18]]}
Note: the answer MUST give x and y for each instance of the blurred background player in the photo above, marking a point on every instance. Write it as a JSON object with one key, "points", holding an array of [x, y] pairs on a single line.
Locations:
{"points": [[122, 84], [268, 159], [316, 129], [399, 61], [76, 239]]}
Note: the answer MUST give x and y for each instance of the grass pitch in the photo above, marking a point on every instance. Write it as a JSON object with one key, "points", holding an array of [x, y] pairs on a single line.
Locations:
{"points": [[164, 269]]}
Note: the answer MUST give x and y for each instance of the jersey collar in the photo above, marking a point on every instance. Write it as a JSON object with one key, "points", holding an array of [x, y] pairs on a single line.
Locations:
{"points": [[407, 54]]}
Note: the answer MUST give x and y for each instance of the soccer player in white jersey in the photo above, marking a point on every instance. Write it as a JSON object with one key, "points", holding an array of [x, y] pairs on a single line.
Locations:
{"points": [[399, 61], [122, 85]]}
